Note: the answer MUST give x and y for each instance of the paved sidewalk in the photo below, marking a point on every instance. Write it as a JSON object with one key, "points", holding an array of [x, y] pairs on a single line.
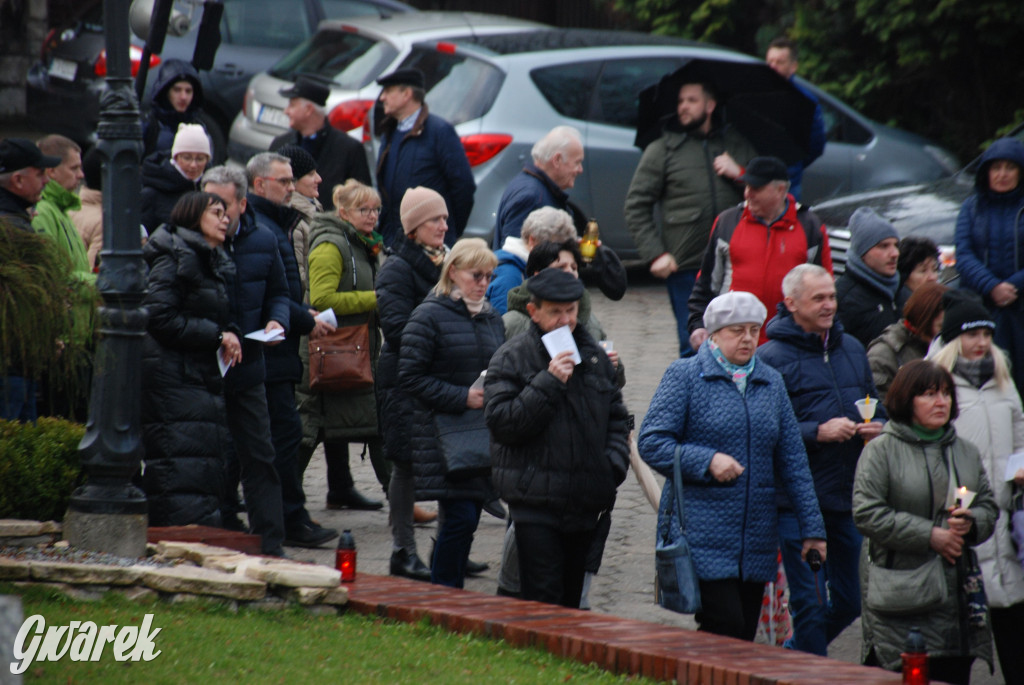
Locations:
{"points": [[643, 329]]}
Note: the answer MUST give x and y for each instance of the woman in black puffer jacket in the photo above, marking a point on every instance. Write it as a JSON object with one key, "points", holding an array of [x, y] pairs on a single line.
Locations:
{"points": [[448, 341], [184, 430]]}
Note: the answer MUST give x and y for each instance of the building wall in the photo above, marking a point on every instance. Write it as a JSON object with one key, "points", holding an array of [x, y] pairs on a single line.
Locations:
{"points": [[23, 26]]}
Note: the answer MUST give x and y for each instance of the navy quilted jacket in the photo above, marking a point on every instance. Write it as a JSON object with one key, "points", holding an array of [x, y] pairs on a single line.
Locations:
{"points": [[444, 349], [732, 528], [823, 383]]}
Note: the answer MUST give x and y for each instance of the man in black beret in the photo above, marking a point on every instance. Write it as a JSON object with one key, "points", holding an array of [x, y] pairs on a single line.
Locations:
{"points": [[418, 148], [338, 155], [559, 440]]}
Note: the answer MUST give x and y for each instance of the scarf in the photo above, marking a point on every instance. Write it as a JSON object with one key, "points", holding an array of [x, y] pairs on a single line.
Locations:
{"points": [[890, 285], [474, 306], [435, 254], [736, 372], [373, 241], [977, 372]]}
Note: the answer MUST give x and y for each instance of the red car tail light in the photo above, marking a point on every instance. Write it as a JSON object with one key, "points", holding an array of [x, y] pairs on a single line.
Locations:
{"points": [[350, 114], [481, 147], [134, 54]]}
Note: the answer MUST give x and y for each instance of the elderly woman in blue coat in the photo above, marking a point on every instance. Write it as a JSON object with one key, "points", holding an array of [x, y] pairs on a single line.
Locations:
{"points": [[730, 415]]}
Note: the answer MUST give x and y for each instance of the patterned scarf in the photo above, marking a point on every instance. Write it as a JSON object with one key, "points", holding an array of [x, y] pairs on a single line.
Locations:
{"points": [[976, 372], [435, 254], [373, 241], [738, 373]]}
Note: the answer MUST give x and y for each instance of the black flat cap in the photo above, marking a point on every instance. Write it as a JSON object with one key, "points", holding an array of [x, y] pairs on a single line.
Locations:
{"points": [[761, 170], [19, 153], [554, 285], [308, 89], [403, 77]]}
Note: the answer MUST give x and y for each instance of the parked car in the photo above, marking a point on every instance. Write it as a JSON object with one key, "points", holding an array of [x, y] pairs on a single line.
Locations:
{"points": [[925, 209], [503, 92], [63, 88], [352, 55]]}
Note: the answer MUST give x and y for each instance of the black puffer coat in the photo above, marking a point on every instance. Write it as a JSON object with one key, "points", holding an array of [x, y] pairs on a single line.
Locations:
{"points": [[560, 449], [405, 279], [183, 425], [162, 187], [444, 349]]}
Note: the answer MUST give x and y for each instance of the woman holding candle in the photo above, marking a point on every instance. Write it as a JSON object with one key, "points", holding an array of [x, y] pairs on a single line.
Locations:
{"points": [[990, 418], [905, 504]]}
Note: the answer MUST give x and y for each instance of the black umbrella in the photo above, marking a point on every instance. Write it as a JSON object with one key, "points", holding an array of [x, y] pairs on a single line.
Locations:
{"points": [[765, 107]]}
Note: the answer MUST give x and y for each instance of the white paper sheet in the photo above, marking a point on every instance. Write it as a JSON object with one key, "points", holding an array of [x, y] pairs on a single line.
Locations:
{"points": [[327, 316], [264, 336], [221, 364], [1013, 462], [560, 340]]}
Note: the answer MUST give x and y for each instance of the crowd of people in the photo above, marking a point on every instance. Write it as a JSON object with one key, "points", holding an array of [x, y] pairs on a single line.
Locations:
{"points": [[839, 425]]}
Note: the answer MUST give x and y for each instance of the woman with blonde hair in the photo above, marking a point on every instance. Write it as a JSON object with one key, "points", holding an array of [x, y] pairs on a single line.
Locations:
{"points": [[447, 343], [344, 256], [991, 419]]}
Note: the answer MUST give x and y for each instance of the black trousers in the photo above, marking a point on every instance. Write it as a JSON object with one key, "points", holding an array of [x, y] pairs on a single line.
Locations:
{"points": [[248, 422], [286, 434], [730, 607], [1007, 625], [551, 563]]}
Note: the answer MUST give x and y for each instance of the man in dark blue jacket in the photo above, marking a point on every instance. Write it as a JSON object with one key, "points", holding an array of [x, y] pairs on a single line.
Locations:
{"points": [[826, 372], [418, 148], [271, 181]]}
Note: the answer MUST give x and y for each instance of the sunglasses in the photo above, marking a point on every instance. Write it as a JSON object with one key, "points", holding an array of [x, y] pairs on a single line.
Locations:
{"points": [[482, 277]]}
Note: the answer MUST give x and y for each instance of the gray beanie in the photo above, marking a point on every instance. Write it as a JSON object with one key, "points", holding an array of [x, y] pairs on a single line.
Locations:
{"points": [[867, 229], [732, 308]]}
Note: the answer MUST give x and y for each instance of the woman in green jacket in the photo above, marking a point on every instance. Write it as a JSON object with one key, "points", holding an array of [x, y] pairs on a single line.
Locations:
{"points": [[344, 255], [909, 503]]}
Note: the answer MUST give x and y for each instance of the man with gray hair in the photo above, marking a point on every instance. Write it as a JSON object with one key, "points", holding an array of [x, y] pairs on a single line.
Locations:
{"points": [[754, 245], [338, 155], [557, 161], [542, 225], [826, 371]]}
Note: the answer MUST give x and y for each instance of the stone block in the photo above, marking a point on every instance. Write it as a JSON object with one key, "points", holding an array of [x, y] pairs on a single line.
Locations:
{"points": [[292, 574], [226, 564], [19, 528], [203, 581], [307, 596], [13, 569], [196, 552], [141, 595], [336, 596], [84, 574], [52, 527]]}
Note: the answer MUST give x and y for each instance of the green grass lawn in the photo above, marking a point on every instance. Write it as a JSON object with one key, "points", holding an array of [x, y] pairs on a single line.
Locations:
{"points": [[204, 642]]}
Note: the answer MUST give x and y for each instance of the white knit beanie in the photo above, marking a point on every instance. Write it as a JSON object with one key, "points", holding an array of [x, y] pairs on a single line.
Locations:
{"points": [[190, 138]]}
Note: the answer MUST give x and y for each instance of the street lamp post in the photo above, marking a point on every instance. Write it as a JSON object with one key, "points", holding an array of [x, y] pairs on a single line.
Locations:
{"points": [[108, 513]]}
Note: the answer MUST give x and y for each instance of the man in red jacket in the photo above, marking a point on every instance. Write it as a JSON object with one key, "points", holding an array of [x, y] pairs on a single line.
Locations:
{"points": [[754, 245]]}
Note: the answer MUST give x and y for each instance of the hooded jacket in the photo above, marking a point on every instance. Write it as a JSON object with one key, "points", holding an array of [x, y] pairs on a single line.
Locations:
{"points": [[823, 381], [162, 187], [901, 484], [896, 346], [161, 124], [990, 227], [732, 528], [184, 430]]}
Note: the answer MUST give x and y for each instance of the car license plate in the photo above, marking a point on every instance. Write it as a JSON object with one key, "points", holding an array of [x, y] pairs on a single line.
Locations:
{"points": [[272, 116], [63, 69]]}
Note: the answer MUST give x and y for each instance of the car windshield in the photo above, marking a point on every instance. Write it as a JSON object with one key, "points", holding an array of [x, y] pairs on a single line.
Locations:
{"points": [[267, 23], [348, 59], [459, 88]]}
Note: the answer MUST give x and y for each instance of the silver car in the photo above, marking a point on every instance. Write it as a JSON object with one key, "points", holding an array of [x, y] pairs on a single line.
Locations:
{"points": [[505, 92], [352, 54]]}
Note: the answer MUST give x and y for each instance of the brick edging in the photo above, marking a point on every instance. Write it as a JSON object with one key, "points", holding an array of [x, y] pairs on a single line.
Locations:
{"points": [[620, 645]]}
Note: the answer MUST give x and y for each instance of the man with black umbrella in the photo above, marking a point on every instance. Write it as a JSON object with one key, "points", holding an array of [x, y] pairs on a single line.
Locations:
{"points": [[692, 171]]}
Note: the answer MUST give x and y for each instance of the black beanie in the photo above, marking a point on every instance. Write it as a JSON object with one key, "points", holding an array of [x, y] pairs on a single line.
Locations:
{"points": [[964, 312], [302, 161]]}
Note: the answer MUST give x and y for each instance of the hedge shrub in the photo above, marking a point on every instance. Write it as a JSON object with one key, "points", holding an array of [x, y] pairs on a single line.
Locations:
{"points": [[39, 468]]}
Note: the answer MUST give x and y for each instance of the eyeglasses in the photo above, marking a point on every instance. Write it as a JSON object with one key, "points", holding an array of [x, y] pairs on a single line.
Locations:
{"points": [[481, 277], [366, 211], [284, 180], [185, 158]]}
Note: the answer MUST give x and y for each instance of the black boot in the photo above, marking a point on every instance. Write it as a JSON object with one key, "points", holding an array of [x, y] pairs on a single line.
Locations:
{"points": [[352, 499], [341, 490], [409, 565]]}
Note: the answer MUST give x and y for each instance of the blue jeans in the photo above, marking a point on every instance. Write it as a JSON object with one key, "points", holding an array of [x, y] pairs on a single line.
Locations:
{"points": [[680, 285], [17, 399], [823, 604], [454, 538]]}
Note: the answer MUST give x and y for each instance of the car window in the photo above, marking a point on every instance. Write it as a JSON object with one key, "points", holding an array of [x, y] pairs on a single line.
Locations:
{"points": [[840, 128], [459, 88], [334, 9], [350, 60], [568, 87], [265, 23], [621, 82]]}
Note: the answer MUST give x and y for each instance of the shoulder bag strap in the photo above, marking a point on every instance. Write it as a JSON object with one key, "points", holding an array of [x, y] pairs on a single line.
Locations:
{"points": [[677, 478]]}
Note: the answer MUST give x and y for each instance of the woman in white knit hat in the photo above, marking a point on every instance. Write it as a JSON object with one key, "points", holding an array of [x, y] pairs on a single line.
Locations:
{"points": [[165, 178]]}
